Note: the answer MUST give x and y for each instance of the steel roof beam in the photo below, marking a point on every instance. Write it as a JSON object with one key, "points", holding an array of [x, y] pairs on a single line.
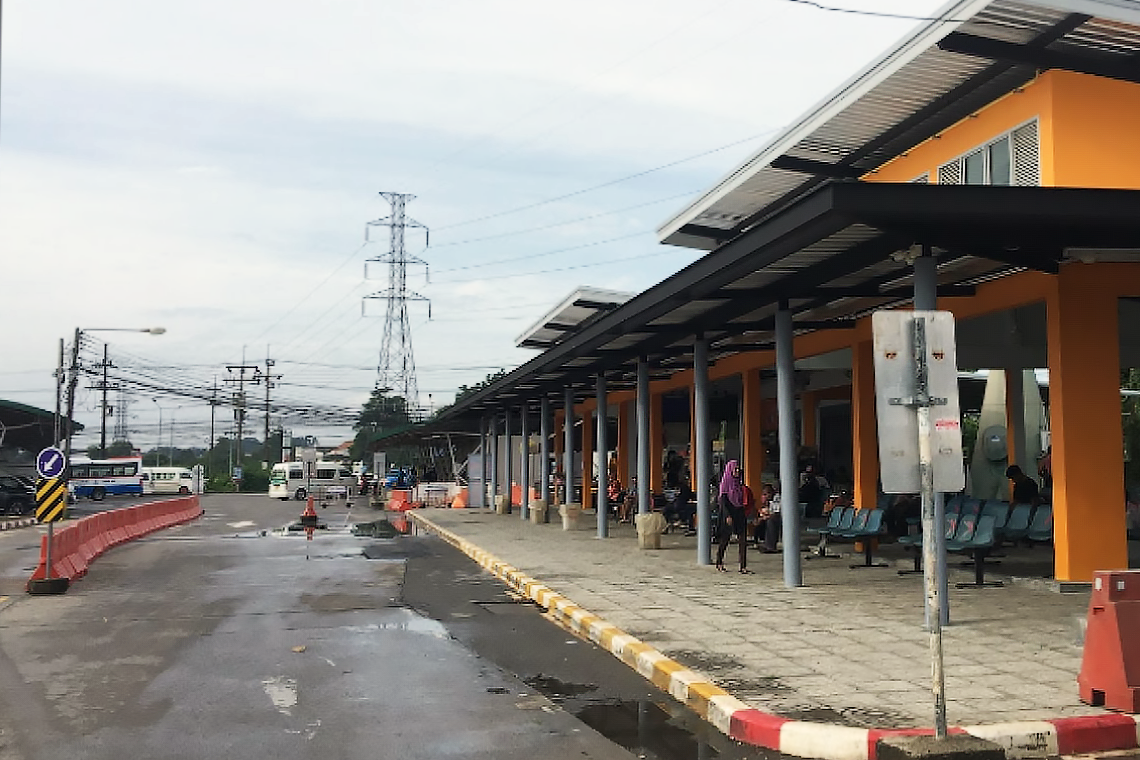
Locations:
{"points": [[818, 168], [935, 116], [1120, 67]]}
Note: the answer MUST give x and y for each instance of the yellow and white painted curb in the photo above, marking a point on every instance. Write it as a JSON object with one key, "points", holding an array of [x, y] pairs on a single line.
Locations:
{"points": [[738, 720]]}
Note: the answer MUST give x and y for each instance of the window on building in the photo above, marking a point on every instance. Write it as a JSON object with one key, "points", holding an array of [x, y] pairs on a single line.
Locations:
{"points": [[1012, 159]]}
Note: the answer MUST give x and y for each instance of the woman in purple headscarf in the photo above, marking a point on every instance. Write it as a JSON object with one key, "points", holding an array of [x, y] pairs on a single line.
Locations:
{"points": [[732, 519]]}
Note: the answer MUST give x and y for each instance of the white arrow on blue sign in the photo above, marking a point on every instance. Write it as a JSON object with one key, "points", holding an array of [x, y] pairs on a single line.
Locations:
{"points": [[50, 462]]}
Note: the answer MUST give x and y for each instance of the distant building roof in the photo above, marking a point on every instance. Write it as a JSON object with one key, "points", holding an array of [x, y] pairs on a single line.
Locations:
{"points": [[27, 427], [565, 318]]}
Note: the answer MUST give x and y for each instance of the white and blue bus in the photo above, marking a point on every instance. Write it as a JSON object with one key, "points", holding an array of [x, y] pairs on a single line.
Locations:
{"points": [[98, 478]]}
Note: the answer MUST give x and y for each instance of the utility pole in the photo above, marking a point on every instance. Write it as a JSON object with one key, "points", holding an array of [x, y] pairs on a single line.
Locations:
{"points": [[239, 397], [103, 406], [213, 406], [396, 370], [71, 383], [59, 380], [269, 385]]}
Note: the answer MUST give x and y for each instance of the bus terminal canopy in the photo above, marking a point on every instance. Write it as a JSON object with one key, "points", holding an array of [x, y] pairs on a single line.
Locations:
{"points": [[833, 255], [27, 427], [802, 223]]}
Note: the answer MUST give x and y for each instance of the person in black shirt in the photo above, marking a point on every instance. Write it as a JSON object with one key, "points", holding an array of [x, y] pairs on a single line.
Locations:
{"points": [[1024, 488]]}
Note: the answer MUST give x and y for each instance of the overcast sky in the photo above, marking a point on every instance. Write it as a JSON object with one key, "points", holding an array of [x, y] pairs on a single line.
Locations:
{"points": [[210, 167]]}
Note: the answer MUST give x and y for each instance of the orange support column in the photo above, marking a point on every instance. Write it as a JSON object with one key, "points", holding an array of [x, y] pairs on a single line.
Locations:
{"points": [[559, 445], [865, 443], [1084, 401], [656, 436], [751, 430], [587, 457], [622, 445], [808, 405]]}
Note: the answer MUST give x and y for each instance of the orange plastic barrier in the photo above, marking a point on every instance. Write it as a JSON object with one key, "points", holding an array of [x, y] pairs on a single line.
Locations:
{"points": [[1110, 670], [77, 545], [400, 501], [460, 500]]}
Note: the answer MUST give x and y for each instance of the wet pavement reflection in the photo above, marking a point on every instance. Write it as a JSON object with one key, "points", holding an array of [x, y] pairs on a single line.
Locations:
{"points": [[654, 730]]}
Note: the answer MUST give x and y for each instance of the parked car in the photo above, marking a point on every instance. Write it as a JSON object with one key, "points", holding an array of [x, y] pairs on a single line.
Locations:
{"points": [[17, 496]]}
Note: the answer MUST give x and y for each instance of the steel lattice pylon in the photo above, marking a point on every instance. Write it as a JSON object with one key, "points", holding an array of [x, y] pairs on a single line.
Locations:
{"points": [[396, 369]]}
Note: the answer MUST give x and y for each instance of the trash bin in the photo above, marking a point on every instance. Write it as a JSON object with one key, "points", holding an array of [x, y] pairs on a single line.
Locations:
{"points": [[570, 514], [502, 505], [538, 511], [650, 526], [1110, 669]]}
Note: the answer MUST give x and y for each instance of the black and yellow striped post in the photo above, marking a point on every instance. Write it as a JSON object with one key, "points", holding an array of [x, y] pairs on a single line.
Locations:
{"points": [[51, 500], [51, 506]]}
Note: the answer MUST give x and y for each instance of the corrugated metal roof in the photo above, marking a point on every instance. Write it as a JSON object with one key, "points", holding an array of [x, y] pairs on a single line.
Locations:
{"points": [[912, 92]]}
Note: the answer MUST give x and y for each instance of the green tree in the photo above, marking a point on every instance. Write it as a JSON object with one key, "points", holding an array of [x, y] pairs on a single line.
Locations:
{"points": [[114, 449], [381, 415]]}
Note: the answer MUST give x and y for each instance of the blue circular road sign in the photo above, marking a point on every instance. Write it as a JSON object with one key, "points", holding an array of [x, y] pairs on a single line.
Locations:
{"points": [[50, 462]]}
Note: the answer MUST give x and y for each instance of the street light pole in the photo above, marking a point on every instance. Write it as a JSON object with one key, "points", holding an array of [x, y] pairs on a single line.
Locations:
{"points": [[158, 446]]}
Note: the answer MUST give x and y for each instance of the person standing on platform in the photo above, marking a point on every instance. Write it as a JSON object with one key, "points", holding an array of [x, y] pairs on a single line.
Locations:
{"points": [[732, 520]]}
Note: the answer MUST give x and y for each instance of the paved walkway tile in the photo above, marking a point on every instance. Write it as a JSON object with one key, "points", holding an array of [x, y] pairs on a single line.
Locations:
{"points": [[848, 648]]}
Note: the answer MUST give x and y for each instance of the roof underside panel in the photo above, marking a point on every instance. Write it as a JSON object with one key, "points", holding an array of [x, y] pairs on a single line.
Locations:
{"points": [[886, 112]]}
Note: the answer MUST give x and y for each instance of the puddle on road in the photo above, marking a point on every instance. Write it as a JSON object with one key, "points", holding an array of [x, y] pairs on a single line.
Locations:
{"points": [[406, 621], [652, 730], [664, 731]]}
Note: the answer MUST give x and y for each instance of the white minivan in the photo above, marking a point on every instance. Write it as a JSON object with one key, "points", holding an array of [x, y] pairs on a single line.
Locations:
{"points": [[289, 480], [179, 480]]}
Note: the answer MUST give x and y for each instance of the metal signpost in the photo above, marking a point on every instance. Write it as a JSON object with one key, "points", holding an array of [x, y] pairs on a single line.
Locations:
{"points": [[916, 386], [51, 504]]}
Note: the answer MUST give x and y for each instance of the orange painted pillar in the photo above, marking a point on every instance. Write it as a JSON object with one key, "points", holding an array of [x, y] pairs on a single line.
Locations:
{"points": [[656, 442], [1084, 401], [751, 430], [559, 438], [808, 405], [691, 459], [624, 420], [559, 446], [587, 457], [865, 441]]}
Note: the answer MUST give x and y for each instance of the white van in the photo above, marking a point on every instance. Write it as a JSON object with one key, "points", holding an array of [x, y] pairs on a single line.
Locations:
{"points": [[179, 480], [290, 480]]}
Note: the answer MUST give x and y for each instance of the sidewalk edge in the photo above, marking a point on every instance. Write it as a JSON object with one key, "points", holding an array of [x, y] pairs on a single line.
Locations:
{"points": [[744, 723]]}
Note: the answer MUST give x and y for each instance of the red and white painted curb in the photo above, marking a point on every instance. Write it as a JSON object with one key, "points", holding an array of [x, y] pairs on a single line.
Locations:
{"points": [[13, 524], [1022, 739]]}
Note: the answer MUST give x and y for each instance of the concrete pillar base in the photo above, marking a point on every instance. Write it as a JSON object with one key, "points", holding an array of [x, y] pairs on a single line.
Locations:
{"points": [[570, 513], [650, 526], [538, 511]]}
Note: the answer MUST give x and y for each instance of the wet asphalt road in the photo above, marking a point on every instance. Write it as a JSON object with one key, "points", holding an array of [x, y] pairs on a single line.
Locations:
{"points": [[216, 641]]}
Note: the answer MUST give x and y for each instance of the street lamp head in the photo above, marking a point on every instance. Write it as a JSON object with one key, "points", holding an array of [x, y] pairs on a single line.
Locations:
{"points": [[154, 330]]}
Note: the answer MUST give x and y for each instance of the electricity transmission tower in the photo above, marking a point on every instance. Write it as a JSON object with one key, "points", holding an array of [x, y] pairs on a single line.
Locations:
{"points": [[120, 430], [396, 370]]}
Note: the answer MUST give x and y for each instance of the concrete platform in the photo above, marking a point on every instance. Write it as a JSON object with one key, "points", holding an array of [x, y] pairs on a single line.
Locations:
{"points": [[825, 670]]}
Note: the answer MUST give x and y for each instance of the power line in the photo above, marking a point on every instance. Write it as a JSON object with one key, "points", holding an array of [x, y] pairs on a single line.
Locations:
{"points": [[611, 183], [876, 14], [563, 224], [656, 254], [528, 257]]}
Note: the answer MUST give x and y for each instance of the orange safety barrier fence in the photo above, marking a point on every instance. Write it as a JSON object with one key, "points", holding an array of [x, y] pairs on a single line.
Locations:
{"points": [[77, 545], [400, 501]]}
